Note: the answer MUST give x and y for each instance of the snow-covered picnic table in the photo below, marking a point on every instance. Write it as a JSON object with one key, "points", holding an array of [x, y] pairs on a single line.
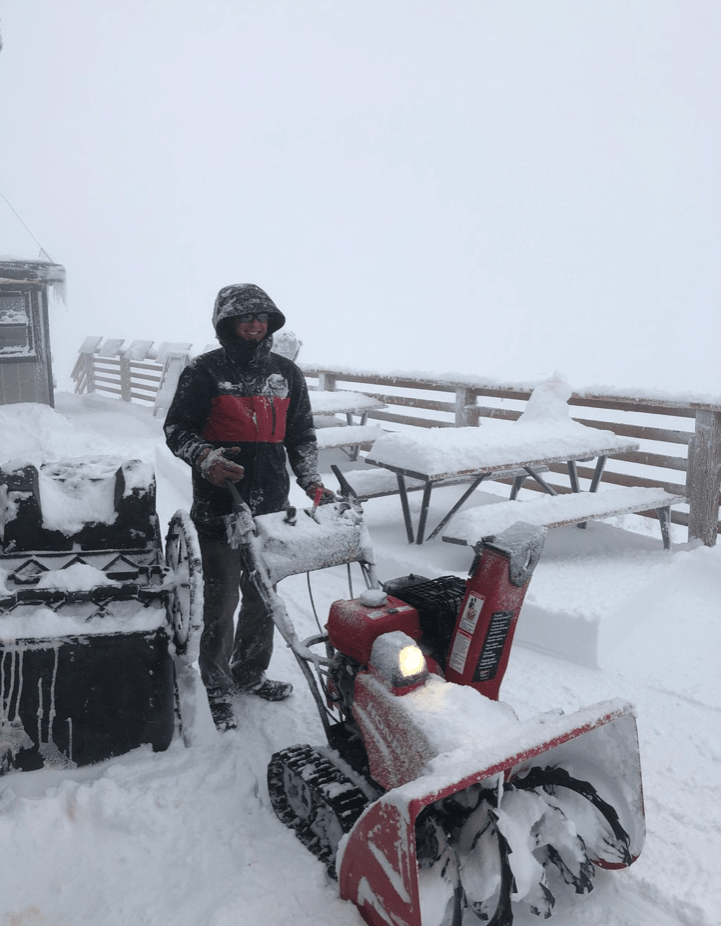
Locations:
{"points": [[439, 455], [327, 405]]}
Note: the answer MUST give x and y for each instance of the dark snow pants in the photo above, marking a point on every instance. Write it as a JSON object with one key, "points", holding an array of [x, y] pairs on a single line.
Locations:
{"points": [[228, 658]]}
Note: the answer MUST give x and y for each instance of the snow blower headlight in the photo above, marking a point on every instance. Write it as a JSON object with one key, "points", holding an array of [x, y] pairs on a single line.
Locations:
{"points": [[398, 659], [411, 661]]}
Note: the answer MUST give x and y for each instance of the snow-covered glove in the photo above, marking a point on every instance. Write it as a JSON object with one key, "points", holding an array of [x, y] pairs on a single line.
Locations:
{"points": [[316, 490], [215, 466]]}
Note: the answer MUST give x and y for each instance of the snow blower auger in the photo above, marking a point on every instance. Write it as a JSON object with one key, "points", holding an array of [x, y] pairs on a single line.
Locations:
{"points": [[98, 632], [433, 804]]}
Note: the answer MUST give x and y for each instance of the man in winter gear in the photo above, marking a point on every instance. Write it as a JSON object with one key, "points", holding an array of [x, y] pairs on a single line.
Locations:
{"points": [[241, 413]]}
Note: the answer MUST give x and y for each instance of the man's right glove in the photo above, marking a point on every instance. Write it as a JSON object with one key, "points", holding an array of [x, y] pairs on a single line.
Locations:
{"points": [[216, 467], [320, 494]]}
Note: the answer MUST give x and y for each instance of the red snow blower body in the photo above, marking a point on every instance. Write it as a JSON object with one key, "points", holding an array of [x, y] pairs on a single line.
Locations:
{"points": [[435, 805]]}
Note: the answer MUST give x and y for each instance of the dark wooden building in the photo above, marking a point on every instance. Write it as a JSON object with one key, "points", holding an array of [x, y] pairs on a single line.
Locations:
{"points": [[25, 361]]}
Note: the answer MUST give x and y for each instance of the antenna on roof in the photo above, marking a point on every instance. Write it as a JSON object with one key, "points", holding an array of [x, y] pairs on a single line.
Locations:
{"points": [[42, 249]]}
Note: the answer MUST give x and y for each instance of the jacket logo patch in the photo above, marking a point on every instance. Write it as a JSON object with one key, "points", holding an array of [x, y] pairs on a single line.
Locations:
{"points": [[277, 385]]}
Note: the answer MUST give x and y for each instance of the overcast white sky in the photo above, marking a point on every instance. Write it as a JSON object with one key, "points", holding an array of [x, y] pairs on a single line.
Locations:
{"points": [[503, 187]]}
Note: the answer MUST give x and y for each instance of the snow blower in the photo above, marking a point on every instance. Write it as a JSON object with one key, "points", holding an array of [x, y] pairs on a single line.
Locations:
{"points": [[98, 631], [432, 803]]}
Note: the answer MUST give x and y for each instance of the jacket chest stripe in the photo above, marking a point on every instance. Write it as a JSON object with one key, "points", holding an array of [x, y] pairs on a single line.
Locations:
{"points": [[247, 419]]}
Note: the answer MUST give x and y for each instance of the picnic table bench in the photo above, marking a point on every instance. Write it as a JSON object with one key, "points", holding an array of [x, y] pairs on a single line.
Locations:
{"points": [[328, 404], [353, 436], [471, 525], [331, 432]]}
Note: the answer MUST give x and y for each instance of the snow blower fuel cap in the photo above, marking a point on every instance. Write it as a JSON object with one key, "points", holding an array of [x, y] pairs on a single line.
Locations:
{"points": [[373, 598]]}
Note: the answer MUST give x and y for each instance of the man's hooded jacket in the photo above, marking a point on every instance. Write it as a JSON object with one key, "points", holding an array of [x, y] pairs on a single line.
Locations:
{"points": [[243, 395]]}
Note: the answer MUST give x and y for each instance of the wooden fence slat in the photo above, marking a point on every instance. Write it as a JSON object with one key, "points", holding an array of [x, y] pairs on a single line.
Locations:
{"points": [[643, 432], [621, 479], [90, 345], [629, 405], [114, 381], [507, 414], [653, 459], [378, 415], [154, 378], [138, 350], [110, 348], [149, 365], [145, 387], [81, 367]]}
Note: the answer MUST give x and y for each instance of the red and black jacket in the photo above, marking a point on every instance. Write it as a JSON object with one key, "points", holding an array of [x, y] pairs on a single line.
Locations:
{"points": [[243, 395]]}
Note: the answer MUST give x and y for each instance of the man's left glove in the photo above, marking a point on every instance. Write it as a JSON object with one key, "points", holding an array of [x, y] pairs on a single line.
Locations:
{"points": [[320, 495]]}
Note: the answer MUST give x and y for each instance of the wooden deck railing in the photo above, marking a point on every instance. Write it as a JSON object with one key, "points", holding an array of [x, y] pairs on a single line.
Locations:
{"points": [[136, 372], [680, 441]]}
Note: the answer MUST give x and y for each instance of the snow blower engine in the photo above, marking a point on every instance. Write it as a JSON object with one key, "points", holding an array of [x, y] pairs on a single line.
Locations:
{"points": [[434, 804]]}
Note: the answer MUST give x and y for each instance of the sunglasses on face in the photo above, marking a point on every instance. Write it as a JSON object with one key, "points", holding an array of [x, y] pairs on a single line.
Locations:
{"points": [[249, 316]]}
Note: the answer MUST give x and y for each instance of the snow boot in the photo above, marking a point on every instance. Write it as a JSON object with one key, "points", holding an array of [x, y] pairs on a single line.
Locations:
{"points": [[221, 709], [271, 690]]}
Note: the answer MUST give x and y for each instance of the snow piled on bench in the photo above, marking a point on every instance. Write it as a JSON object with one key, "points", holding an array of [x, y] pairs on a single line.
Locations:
{"points": [[348, 436], [334, 403], [545, 431], [553, 510]]}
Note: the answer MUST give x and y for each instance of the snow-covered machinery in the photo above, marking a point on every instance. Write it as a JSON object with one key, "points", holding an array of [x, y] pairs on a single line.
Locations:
{"points": [[432, 803], [97, 628]]}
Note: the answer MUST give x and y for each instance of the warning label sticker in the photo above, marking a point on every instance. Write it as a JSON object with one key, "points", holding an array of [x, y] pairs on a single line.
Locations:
{"points": [[458, 657], [471, 613], [498, 629]]}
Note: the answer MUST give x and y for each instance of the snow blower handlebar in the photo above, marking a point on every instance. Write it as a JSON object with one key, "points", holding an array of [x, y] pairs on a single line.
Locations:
{"points": [[275, 546], [239, 525], [346, 488], [241, 533]]}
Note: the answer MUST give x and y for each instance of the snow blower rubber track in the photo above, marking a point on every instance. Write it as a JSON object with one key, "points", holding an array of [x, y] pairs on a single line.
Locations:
{"points": [[312, 796]]}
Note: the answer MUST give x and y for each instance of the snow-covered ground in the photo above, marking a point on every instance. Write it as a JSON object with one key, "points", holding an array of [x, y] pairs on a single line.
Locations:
{"points": [[188, 836]]}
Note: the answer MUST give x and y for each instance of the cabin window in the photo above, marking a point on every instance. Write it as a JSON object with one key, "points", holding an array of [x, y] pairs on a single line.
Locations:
{"points": [[15, 326]]}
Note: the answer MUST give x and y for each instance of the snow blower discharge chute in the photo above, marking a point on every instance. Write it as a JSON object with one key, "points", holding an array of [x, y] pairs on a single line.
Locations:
{"points": [[432, 803]]}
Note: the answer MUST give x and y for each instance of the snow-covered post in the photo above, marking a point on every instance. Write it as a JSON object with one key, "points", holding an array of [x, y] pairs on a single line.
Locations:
{"points": [[83, 371], [125, 385], [465, 398], [326, 382], [704, 477]]}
